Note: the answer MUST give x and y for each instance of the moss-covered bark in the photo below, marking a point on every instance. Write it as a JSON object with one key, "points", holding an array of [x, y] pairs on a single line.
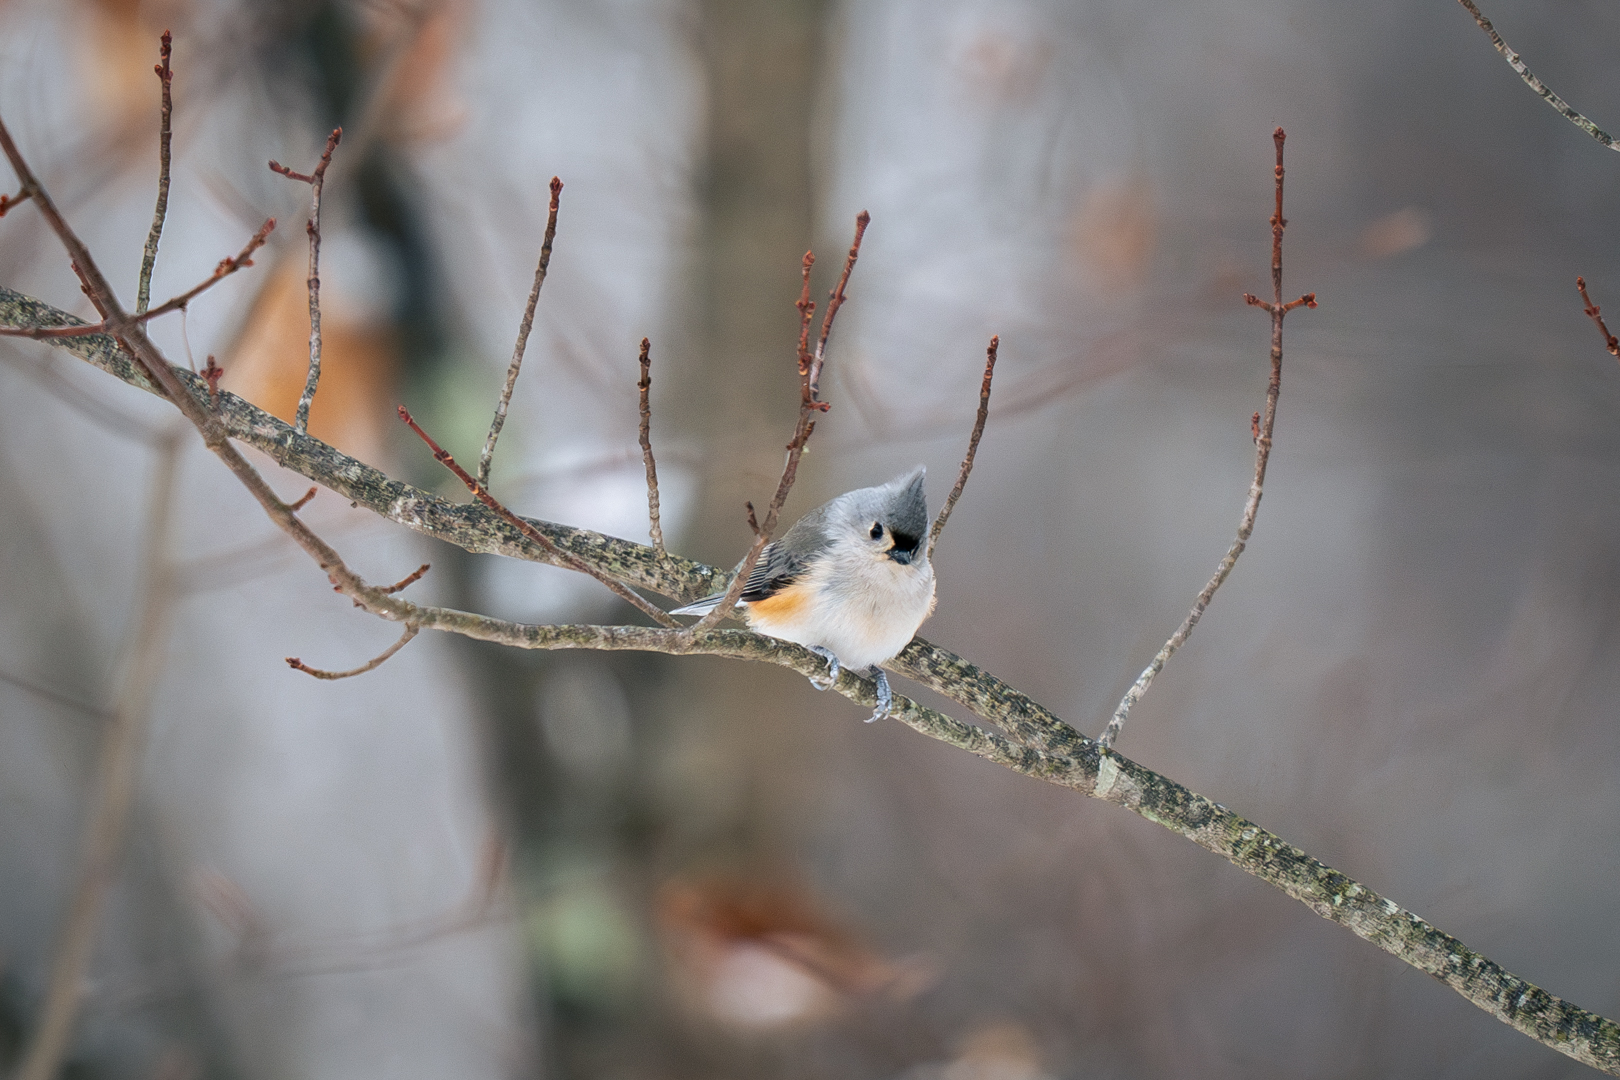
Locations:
{"points": [[1042, 745]]}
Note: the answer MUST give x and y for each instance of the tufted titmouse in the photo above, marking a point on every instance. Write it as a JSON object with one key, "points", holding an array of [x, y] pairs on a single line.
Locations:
{"points": [[850, 581]]}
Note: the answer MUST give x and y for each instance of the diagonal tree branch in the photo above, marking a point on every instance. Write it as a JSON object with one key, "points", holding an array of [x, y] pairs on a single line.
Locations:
{"points": [[1068, 758], [1536, 84], [1063, 756]]}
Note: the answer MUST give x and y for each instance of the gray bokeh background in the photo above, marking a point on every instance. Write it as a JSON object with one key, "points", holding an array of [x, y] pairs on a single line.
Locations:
{"points": [[478, 864]]}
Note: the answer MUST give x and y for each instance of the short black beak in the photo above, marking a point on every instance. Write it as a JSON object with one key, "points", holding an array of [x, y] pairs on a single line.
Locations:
{"points": [[902, 556]]}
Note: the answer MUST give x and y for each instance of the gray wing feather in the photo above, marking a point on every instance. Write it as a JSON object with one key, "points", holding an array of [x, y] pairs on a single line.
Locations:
{"points": [[779, 565]]}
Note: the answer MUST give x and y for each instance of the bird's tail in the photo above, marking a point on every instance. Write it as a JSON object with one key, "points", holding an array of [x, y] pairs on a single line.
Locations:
{"points": [[702, 607]]}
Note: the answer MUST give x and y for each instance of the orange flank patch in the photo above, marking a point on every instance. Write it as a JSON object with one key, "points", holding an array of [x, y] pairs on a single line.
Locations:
{"points": [[782, 610]]}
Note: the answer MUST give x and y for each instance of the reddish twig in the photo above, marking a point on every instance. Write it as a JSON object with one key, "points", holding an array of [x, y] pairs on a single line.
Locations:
{"points": [[1262, 429], [109, 325], [1596, 315], [835, 300], [487, 458], [655, 528], [132, 337], [409, 579], [143, 292], [8, 202], [973, 445], [568, 559], [303, 502], [810, 406], [211, 374], [411, 630], [316, 181]]}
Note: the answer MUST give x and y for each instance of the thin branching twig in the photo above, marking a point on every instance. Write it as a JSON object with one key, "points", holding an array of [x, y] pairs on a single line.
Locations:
{"points": [[487, 458], [1262, 453], [10, 202], [655, 528], [973, 445], [409, 579], [316, 181], [411, 630], [225, 269], [1069, 759], [810, 406], [1536, 84], [481, 493], [165, 74]]}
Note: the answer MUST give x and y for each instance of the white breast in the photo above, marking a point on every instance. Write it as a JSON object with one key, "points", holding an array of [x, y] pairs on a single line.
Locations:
{"points": [[867, 608]]}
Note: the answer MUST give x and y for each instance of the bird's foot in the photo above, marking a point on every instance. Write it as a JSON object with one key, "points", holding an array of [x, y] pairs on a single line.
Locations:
{"points": [[885, 696], [833, 668]]}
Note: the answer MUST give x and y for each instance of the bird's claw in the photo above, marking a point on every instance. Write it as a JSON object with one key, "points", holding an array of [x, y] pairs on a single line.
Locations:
{"points": [[885, 696], [833, 668]]}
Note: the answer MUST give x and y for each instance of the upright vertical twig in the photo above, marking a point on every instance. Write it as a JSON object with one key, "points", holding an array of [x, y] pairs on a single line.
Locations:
{"points": [[973, 445], [143, 294], [810, 406], [487, 458], [316, 180], [117, 772], [1263, 426], [654, 527]]}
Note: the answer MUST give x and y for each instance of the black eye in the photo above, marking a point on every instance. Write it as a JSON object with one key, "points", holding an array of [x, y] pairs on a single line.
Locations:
{"points": [[877, 531]]}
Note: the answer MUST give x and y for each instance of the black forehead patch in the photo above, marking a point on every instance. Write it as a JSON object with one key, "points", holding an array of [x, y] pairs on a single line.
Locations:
{"points": [[905, 541]]}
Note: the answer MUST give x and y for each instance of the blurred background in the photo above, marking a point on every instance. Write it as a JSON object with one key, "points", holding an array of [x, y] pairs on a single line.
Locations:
{"points": [[477, 863]]}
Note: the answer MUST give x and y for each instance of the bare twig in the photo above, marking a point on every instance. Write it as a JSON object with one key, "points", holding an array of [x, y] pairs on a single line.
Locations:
{"points": [[108, 325], [10, 202], [1592, 312], [1262, 454], [212, 374], [316, 181], [409, 579], [59, 698], [973, 445], [487, 458], [303, 501], [835, 300], [411, 630], [1536, 84], [1071, 761], [117, 771], [654, 527], [164, 378], [481, 493], [165, 74], [753, 522], [810, 406]]}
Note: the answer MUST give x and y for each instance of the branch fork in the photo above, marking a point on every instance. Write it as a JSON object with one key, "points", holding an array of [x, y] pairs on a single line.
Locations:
{"points": [[1068, 759], [810, 406]]}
